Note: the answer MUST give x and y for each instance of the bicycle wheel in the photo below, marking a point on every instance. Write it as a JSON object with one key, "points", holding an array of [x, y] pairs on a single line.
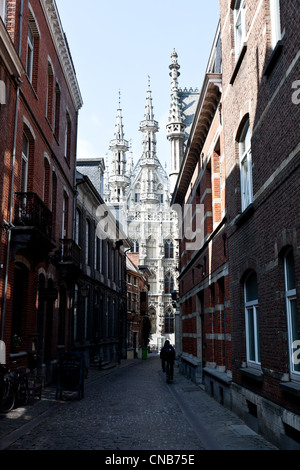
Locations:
{"points": [[7, 401], [23, 393]]}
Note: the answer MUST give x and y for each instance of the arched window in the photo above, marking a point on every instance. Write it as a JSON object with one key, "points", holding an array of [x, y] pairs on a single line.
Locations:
{"points": [[169, 249], [135, 246], [169, 283], [68, 132], [46, 182], [291, 310], [169, 321], [245, 166], [57, 110], [50, 94], [251, 318]]}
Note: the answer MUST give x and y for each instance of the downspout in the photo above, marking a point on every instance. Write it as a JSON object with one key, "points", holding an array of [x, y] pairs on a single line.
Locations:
{"points": [[225, 334], [71, 313], [10, 210]]}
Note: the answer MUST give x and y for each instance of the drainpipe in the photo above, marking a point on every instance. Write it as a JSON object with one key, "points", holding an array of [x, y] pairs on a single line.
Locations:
{"points": [[19, 82], [225, 340]]}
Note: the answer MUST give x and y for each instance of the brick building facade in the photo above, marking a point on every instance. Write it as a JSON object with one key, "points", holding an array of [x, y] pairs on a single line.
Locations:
{"points": [[239, 291], [205, 352], [36, 292], [137, 305], [99, 323], [261, 66]]}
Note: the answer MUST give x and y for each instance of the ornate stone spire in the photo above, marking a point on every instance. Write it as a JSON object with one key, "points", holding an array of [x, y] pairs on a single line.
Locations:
{"points": [[176, 126], [149, 162], [119, 180], [149, 127]]}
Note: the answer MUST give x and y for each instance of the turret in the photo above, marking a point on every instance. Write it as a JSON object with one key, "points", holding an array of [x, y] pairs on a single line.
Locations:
{"points": [[176, 126], [118, 180]]}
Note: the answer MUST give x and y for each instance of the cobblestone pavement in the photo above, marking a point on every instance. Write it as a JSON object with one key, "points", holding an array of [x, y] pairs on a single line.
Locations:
{"points": [[128, 408]]}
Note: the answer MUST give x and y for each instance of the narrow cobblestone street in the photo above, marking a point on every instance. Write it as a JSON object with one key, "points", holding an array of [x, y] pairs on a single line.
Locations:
{"points": [[130, 407]]}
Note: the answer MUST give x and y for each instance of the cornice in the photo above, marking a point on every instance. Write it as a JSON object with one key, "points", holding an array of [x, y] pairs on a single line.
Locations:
{"points": [[62, 49], [9, 54]]}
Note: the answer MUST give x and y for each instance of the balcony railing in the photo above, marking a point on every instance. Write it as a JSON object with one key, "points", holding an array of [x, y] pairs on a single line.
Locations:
{"points": [[30, 211], [69, 252]]}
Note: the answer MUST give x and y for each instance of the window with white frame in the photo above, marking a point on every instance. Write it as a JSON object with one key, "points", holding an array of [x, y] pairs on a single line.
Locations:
{"points": [[50, 94], [239, 26], [24, 166], [77, 227], [46, 180], [246, 166], [68, 138], [32, 52], [3, 10], [275, 22], [30, 48], [291, 308], [65, 215], [251, 319], [57, 110], [87, 242]]}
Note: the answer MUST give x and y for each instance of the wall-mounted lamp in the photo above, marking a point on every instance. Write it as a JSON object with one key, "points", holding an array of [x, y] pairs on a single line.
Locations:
{"points": [[200, 266], [84, 291]]}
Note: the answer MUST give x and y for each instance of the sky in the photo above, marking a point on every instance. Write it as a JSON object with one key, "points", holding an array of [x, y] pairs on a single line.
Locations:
{"points": [[116, 45]]}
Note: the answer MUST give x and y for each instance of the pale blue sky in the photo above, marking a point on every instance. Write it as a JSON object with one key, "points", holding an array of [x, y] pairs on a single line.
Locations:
{"points": [[116, 44]]}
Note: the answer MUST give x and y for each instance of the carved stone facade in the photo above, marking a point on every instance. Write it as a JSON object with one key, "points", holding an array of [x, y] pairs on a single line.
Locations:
{"points": [[142, 194]]}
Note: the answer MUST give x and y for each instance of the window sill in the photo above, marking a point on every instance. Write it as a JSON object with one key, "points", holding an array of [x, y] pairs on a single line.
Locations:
{"points": [[292, 388], [254, 374], [222, 376], [273, 59], [238, 63], [244, 216], [32, 87]]}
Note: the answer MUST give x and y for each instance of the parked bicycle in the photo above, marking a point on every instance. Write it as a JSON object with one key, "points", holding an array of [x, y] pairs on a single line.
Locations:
{"points": [[13, 388]]}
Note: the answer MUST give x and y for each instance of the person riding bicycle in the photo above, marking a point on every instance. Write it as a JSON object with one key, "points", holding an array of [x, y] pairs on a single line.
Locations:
{"points": [[167, 355]]}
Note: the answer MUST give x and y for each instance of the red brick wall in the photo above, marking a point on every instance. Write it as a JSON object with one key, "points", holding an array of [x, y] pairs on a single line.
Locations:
{"points": [[33, 111], [256, 242]]}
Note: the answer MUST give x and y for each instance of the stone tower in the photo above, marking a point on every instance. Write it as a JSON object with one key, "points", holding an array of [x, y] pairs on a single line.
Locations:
{"points": [[176, 126], [152, 226]]}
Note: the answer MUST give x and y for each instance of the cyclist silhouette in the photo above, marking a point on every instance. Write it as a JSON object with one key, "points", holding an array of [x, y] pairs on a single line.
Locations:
{"points": [[167, 355]]}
